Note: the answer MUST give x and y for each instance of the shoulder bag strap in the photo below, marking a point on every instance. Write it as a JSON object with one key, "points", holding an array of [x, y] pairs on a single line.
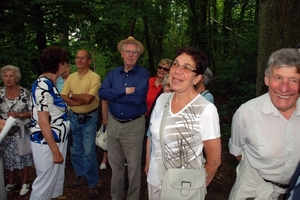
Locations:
{"points": [[161, 130]]}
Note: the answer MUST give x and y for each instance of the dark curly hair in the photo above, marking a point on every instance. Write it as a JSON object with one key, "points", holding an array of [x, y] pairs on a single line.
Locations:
{"points": [[51, 57], [198, 57]]}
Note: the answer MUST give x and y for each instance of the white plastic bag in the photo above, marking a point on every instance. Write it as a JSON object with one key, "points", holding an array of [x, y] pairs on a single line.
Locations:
{"points": [[101, 138]]}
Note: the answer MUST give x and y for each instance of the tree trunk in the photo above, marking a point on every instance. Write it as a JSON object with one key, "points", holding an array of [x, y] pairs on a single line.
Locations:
{"points": [[148, 45], [227, 22], [278, 27], [40, 34], [197, 22]]}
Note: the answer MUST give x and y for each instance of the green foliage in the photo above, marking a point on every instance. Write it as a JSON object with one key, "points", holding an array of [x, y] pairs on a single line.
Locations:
{"points": [[225, 30]]}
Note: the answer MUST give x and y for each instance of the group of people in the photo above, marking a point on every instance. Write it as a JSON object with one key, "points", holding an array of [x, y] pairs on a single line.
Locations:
{"points": [[265, 132], [58, 101]]}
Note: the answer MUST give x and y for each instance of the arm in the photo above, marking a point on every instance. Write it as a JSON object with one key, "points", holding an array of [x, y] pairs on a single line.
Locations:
{"points": [[23, 115], [88, 96], [211, 135], [104, 112], [139, 89], [133, 94], [69, 101], [82, 99], [213, 158], [26, 114], [65, 93], [238, 135], [47, 133], [75, 96]]}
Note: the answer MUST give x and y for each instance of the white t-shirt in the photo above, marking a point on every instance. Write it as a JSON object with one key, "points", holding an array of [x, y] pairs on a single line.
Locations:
{"points": [[183, 135]]}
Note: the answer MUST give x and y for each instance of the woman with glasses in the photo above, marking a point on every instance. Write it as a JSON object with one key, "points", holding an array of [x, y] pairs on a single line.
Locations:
{"points": [[155, 83], [191, 124]]}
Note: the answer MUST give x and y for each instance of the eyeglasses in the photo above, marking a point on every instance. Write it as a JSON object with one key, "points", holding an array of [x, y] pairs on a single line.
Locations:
{"points": [[184, 67], [128, 52], [82, 58], [164, 68]]}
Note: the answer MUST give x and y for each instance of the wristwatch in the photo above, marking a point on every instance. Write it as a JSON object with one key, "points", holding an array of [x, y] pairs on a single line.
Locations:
{"points": [[20, 115], [70, 95]]}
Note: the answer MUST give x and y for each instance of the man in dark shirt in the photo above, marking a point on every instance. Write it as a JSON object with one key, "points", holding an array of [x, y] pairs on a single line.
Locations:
{"points": [[125, 88]]}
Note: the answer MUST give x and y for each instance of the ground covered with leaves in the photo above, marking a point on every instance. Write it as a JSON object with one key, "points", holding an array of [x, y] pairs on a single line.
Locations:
{"points": [[218, 190]]}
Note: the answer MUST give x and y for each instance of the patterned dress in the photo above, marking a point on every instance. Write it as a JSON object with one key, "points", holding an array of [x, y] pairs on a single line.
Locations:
{"points": [[9, 148]]}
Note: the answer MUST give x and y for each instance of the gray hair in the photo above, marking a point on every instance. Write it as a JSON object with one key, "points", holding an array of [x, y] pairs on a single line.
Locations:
{"points": [[287, 57], [165, 61], [131, 43], [165, 80], [11, 67], [208, 75]]}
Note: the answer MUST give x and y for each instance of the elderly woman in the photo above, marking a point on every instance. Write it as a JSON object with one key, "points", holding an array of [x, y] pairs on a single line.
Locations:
{"points": [[202, 86], [49, 126], [166, 84], [15, 101], [191, 124]]}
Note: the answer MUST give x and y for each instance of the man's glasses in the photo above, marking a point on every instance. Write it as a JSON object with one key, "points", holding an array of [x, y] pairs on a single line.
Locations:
{"points": [[128, 52], [164, 68], [81, 58], [184, 67]]}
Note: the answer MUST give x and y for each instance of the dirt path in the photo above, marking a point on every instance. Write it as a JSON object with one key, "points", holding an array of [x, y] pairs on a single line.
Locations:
{"points": [[218, 190]]}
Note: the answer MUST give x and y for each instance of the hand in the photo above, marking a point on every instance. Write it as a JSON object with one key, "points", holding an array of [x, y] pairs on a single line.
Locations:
{"points": [[130, 90], [57, 157], [104, 122], [239, 158], [13, 114], [2, 124], [69, 93]]}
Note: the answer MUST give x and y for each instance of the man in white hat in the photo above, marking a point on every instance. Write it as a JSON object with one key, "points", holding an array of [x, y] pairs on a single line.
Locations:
{"points": [[126, 87]]}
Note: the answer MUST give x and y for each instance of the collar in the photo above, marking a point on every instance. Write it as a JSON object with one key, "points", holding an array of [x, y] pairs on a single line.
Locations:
{"points": [[134, 69]]}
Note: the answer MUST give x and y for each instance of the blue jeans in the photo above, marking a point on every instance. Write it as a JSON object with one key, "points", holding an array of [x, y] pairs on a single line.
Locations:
{"points": [[83, 149]]}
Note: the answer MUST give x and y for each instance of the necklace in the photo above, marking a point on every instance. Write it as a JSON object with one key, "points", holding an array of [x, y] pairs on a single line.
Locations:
{"points": [[11, 103], [11, 98]]}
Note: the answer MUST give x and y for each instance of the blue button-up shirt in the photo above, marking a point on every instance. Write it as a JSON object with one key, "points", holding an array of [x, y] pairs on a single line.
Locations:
{"points": [[121, 105]]}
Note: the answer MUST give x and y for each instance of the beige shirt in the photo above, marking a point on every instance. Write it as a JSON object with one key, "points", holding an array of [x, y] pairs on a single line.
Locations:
{"points": [[87, 84]]}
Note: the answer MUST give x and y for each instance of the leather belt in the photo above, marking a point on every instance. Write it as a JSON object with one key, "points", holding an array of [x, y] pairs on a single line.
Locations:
{"points": [[284, 186], [126, 120], [85, 113]]}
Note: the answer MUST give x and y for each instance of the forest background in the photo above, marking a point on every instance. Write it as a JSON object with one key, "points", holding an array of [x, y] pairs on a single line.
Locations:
{"points": [[237, 35]]}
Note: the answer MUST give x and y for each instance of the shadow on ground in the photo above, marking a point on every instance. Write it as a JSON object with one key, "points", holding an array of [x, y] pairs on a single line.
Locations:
{"points": [[218, 190]]}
